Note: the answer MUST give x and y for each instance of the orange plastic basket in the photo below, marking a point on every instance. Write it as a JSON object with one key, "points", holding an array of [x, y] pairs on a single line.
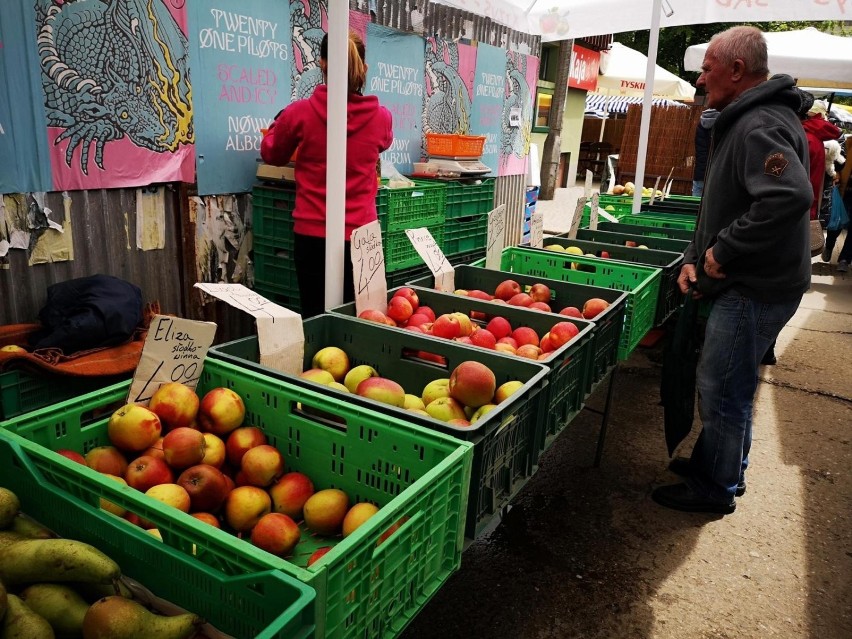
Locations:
{"points": [[455, 145]]}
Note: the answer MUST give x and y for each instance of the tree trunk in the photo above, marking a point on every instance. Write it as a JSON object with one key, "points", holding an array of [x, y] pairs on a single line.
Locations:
{"points": [[553, 143]]}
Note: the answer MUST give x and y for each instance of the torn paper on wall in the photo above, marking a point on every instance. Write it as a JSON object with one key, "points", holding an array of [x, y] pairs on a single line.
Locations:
{"points": [[220, 235], [15, 209], [150, 218], [49, 240]]}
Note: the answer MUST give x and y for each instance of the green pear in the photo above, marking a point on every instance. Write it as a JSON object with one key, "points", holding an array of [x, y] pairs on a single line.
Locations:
{"points": [[22, 623], [120, 618], [9, 507], [59, 605]]}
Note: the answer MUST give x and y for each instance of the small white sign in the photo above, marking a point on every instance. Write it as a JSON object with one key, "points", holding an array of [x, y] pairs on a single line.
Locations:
{"points": [[578, 217], [536, 229], [656, 186], [280, 335], [587, 186], [368, 268], [593, 212], [496, 238], [432, 255], [174, 351]]}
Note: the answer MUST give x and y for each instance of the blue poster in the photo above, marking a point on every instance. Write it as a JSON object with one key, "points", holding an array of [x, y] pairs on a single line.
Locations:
{"points": [[395, 74], [23, 130], [240, 59], [489, 91]]}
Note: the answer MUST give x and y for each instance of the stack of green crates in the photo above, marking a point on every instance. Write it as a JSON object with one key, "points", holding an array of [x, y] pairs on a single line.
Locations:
{"points": [[399, 209], [274, 266], [468, 205]]}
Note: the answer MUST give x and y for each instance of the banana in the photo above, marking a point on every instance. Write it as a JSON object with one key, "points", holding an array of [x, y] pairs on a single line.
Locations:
{"points": [[55, 560], [22, 623]]}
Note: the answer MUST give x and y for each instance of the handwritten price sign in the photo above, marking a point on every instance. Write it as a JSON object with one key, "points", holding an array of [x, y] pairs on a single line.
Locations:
{"points": [[496, 238], [429, 251], [536, 229], [368, 268], [593, 214], [578, 217], [174, 351]]}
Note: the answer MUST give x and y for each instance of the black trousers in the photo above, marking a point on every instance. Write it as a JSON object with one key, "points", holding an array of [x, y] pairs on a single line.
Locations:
{"points": [[309, 253]]}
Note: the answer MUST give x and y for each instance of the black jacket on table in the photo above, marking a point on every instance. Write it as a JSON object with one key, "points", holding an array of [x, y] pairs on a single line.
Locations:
{"points": [[757, 197]]}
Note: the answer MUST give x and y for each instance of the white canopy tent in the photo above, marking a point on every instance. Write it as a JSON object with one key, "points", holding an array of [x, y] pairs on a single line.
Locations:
{"points": [[624, 72], [574, 19], [814, 58]]}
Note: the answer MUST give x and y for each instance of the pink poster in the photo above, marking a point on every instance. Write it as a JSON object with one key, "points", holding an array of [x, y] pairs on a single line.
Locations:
{"points": [[450, 71], [521, 80], [120, 114]]}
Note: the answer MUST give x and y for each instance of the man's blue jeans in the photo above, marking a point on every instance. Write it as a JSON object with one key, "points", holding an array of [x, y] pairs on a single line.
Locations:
{"points": [[739, 330]]}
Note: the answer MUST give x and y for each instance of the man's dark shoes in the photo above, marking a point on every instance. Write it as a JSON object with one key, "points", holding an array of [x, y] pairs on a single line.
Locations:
{"points": [[682, 497], [680, 466], [769, 358]]}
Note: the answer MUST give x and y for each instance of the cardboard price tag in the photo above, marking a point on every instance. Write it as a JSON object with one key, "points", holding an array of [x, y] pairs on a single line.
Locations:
{"points": [[368, 268], [174, 351], [280, 335], [536, 229], [496, 238], [578, 217], [587, 186], [593, 214], [656, 186], [429, 251]]}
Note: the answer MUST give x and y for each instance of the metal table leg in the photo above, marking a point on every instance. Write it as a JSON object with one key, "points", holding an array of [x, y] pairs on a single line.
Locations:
{"points": [[604, 416]]}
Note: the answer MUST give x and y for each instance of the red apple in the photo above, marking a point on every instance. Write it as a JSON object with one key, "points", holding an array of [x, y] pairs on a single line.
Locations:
{"points": [[572, 311], [107, 459], [594, 307], [472, 383], [504, 347], [244, 507], [207, 518], [631, 243], [540, 306], [382, 390], [409, 294], [332, 359], [155, 449], [428, 312], [133, 428], [175, 404], [276, 533], [221, 411], [206, 487], [183, 447], [546, 345], [465, 325], [214, 451], [511, 341], [521, 299], [480, 295], [419, 319], [317, 554], [540, 292], [483, 338], [561, 333], [399, 309], [262, 465], [290, 493], [604, 254], [324, 511], [146, 471], [528, 351], [464, 339], [241, 440], [372, 315], [499, 327], [73, 455], [446, 326], [507, 289], [525, 335]]}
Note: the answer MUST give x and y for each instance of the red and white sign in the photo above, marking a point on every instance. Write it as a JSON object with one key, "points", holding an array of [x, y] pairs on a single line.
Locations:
{"points": [[583, 73]]}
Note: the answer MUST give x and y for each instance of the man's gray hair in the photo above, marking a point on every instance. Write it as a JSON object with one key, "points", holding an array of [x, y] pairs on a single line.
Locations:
{"points": [[743, 42]]}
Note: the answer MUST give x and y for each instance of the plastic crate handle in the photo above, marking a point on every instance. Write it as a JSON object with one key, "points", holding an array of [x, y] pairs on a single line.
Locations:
{"points": [[425, 357]]}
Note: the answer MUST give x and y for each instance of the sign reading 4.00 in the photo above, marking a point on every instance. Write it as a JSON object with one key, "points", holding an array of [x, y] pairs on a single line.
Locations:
{"points": [[174, 351]]}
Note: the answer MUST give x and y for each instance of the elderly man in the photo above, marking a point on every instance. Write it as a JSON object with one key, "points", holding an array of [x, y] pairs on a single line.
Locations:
{"points": [[750, 256]]}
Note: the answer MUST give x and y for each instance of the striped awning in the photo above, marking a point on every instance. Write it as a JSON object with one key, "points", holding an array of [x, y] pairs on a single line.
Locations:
{"points": [[619, 103]]}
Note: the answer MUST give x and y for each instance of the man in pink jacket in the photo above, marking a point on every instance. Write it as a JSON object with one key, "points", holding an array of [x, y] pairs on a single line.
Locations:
{"points": [[303, 126]]}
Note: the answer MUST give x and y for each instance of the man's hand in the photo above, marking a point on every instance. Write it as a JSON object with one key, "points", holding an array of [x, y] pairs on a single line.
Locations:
{"points": [[686, 278], [712, 267]]}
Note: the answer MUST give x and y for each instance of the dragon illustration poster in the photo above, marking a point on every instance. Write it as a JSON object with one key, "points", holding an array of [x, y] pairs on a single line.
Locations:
{"points": [[240, 58], [116, 91], [489, 88], [395, 64], [521, 78], [449, 75]]}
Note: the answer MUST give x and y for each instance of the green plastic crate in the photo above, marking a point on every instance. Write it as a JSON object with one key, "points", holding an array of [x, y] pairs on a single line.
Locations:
{"points": [[400, 276], [22, 391], [281, 295], [567, 379], [627, 226], [675, 208], [608, 325], [274, 265], [272, 211], [613, 237], [363, 589], [466, 197], [465, 234], [662, 220], [620, 203], [400, 252], [504, 439], [423, 204], [64, 496], [642, 284], [669, 297]]}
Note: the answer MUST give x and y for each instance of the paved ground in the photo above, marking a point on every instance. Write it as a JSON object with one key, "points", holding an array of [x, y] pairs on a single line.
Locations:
{"points": [[585, 553]]}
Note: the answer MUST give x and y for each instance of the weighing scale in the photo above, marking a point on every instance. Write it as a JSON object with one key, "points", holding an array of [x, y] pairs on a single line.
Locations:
{"points": [[455, 166]]}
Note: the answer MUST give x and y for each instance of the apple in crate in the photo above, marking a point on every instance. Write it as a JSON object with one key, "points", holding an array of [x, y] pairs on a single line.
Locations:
{"points": [[358, 374], [324, 511], [318, 376], [507, 289], [428, 312], [262, 465], [207, 518], [183, 447], [332, 359], [73, 455], [133, 428], [413, 402], [400, 309], [540, 306], [499, 327], [483, 338], [528, 351], [175, 404], [317, 555], [571, 311], [446, 326], [109, 506], [481, 412], [382, 390], [521, 299], [357, 515], [155, 449], [221, 411], [594, 307], [147, 471], [290, 493], [242, 440], [410, 295], [276, 533], [436, 388], [372, 315], [525, 335], [540, 292], [244, 507], [169, 494], [472, 383], [206, 486], [214, 451], [445, 409], [506, 389], [107, 459], [561, 333]]}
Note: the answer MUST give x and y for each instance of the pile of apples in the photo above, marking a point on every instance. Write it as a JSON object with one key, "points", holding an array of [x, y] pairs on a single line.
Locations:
{"points": [[536, 298], [196, 455], [461, 399]]}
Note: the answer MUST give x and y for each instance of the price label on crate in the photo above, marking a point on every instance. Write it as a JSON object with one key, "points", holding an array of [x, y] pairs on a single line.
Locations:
{"points": [[496, 238], [174, 351], [593, 212], [536, 229], [280, 335], [368, 268], [432, 255], [587, 186], [578, 217], [656, 186]]}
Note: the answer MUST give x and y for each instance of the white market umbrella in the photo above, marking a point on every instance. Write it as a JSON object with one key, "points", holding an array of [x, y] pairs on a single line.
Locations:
{"points": [[624, 72], [814, 58]]}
